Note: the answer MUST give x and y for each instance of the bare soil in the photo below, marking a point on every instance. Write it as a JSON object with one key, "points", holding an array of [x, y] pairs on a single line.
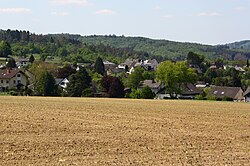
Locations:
{"points": [[82, 131]]}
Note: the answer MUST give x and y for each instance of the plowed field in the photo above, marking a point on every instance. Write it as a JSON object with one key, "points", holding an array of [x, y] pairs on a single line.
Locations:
{"points": [[79, 131]]}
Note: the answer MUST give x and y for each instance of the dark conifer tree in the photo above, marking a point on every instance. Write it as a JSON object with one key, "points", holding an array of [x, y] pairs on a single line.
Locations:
{"points": [[99, 66], [78, 82]]}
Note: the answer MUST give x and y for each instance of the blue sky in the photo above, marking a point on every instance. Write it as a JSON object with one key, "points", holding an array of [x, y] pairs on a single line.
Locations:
{"points": [[201, 21]]}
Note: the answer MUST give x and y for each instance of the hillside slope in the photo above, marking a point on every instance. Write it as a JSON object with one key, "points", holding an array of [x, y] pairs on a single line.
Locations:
{"points": [[245, 45], [116, 47], [167, 49]]}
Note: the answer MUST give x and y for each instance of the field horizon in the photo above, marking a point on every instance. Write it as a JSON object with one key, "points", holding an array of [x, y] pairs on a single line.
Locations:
{"points": [[92, 131]]}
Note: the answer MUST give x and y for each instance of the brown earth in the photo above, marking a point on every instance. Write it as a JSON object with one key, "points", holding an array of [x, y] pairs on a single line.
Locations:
{"points": [[79, 131]]}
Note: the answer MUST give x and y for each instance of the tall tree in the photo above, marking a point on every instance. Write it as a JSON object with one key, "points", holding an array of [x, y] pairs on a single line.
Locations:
{"points": [[113, 86], [65, 71], [46, 85], [116, 89], [136, 77], [99, 66], [31, 59], [62, 52], [5, 49], [11, 63], [173, 75], [78, 82], [195, 59]]}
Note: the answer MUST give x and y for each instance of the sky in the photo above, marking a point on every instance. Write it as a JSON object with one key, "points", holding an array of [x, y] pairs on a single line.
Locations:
{"points": [[200, 21]]}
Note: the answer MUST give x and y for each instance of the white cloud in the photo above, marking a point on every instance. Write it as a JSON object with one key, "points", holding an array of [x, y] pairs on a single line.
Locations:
{"points": [[60, 13], [105, 12], [70, 2], [212, 14], [167, 16], [239, 8], [157, 8], [14, 10]]}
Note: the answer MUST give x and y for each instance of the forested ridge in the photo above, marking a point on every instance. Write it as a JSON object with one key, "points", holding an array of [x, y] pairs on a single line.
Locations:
{"points": [[79, 48]]}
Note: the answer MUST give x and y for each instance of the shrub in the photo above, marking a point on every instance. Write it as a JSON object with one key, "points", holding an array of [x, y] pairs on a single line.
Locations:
{"points": [[13, 93], [211, 97], [87, 93], [147, 93], [199, 97]]}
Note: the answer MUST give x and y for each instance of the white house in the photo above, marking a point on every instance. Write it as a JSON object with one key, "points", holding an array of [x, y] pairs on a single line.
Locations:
{"points": [[62, 82], [12, 79]]}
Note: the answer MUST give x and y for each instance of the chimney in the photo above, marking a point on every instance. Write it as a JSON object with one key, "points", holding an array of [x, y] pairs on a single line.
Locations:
{"points": [[8, 71]]}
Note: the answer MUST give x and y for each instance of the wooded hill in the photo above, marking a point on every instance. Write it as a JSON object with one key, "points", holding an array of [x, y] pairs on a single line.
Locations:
{"points": [[77, 48], [172, 50]]}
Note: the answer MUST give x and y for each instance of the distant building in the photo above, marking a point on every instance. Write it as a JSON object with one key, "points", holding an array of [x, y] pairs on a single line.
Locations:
{"points": [[189, 91], [109, 65], [247, 94], [221, 92], [62, 82], [13, 79], [150, 64], [22, 62], [155, 86]]}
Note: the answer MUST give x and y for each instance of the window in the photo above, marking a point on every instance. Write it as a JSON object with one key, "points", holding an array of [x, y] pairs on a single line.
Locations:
{"points": [[18, 75], [14, 81], [1, 81], [7, 81], [18, 81]]}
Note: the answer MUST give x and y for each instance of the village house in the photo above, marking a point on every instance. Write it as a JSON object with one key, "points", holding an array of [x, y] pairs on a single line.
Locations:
{"points": [[22, 62], [247, 94], [130, 63], [222, 92], [115, 71], [201, 84], [62, 82], [189, 91], [150, 64], [109, 65], [12, 79], [155, 86]]}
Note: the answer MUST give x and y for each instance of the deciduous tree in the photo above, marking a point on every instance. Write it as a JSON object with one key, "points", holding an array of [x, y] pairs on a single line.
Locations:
{"points": [[46, 85], [11, 63], [5, 49], [173, 75], [136, 77], [147, 93]]}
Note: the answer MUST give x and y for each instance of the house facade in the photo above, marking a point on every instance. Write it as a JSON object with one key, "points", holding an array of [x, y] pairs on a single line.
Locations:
{"points": [[247, 94], [22, 62], [12, 79], [62, 82]]}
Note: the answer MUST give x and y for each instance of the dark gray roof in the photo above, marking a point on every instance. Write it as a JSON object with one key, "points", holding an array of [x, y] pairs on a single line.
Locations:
{"points": [[223, 91], [150, 83], [58, 80], [190, 89]]}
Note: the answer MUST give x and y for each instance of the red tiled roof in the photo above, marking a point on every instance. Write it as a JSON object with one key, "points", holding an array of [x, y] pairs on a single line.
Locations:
{"points": [[8, 73]]}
